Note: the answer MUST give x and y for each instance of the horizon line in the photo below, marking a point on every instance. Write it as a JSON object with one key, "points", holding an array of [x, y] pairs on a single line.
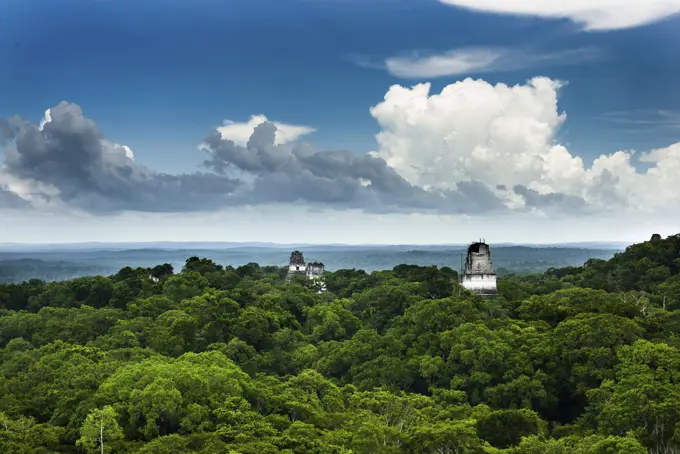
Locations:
{"points": [[299, 244]]}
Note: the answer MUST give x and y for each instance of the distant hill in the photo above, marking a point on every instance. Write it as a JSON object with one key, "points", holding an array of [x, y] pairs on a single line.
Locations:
{"points": [[59, 262], [652, 266], [218, 245]]}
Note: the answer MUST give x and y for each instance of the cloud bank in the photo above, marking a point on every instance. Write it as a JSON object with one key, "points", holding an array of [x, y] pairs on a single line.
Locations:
{"points": [[505, 136], [474, 148], [65, 161], [592, 15]]}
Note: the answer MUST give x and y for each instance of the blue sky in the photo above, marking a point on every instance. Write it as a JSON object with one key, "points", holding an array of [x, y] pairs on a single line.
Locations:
{"points": [[160, 75]]}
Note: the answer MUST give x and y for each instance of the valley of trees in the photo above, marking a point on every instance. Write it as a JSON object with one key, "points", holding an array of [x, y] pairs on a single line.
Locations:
{"points": [[211, 359]]}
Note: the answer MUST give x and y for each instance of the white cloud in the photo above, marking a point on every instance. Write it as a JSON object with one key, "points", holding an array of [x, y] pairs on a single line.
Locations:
{"points": [[239, 133], [504, 135], [593, 15], [128, 151], [46, 119], [480, 60], [462, 61], [471, 130], [129, 154]]}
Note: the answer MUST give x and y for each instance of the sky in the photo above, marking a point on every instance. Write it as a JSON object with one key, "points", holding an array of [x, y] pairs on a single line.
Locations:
{"points": [[339, 121]]}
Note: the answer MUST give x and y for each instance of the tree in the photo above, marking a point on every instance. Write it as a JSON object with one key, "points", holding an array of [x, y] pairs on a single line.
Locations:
{"points": [[99, 426]]}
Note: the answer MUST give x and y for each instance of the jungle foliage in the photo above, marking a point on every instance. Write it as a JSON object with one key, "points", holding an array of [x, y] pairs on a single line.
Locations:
{"points": [[215, 359]]}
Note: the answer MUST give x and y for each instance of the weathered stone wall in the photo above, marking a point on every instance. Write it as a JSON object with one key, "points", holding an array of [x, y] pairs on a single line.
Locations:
{"points": [[297, 268], [480, 283], [296, 265], [479, 260], [479, 275], [315, 270], [296, 258]]}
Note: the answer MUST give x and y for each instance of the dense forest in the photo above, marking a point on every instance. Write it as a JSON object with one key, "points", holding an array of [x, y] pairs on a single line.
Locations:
{"points": [[214, 359]]}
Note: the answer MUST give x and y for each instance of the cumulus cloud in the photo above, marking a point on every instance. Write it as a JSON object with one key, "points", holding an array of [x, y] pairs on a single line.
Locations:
{"points": [[592, 15], [66, 159], [481, 60], [504, 137], [239, 133], [301, 173], [471, 130], [474, 148]]}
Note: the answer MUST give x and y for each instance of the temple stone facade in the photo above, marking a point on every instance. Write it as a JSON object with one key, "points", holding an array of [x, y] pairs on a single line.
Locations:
{"points": [[296, 264], [313, 271], [479, 276]]}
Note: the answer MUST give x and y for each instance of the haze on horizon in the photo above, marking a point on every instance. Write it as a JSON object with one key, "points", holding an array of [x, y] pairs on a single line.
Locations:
{"points": [[387, 122]]}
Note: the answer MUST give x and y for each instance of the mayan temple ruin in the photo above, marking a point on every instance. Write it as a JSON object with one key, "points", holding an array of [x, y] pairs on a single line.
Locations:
{"points": [[479, 276], [296, 264], [313, 271]]}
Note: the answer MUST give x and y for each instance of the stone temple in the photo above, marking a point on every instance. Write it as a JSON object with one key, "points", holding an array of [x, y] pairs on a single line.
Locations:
{"points": [[479, 276], [313, 271], [296, 264]]}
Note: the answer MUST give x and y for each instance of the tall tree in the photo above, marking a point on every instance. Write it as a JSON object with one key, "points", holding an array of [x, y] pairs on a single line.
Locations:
{"points": [[100, 425]]}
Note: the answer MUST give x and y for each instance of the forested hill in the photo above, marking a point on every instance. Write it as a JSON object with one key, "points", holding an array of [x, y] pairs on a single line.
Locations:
{"points": [[652, 267], [237, 360]]}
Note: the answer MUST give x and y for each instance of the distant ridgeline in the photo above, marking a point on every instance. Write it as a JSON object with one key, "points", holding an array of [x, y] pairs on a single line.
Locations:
{"points": [[57, 265]]}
